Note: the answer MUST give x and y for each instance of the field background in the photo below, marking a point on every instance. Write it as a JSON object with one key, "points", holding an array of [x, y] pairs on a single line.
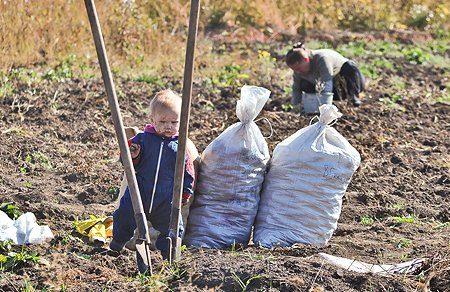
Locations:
{"points": [[150, 35]]}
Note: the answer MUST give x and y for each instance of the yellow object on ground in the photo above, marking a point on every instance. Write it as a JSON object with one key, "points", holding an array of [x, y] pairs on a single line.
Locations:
{"points": [[95, 228]]}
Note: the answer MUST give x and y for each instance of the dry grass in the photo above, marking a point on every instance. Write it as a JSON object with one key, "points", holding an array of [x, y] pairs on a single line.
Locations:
{"points": [[138, 33]]}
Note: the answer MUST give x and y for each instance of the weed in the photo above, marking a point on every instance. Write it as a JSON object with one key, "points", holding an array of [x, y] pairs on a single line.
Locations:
{"points": [[28, 286], [150, 79], [241, 282], [416, 55], [398, 206], [63, 287], [420, 16], [230, 75], [403, 243], [369, 71], [366, 220], [383, 63], [397, 83], [287, 107], [444, 97], [24, 75], [83, 256], [19, 131], [11, 209], [28, 184], [6, 88], [436, 225], [113, 191], [161, 278], [62, 71], [405, 219], [12, 261], [384, 48], [393, 102], [352, 49], [258, 257], [266, 65], [35, 160]]}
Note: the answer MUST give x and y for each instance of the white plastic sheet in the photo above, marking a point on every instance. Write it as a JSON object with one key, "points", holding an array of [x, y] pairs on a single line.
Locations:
{"points": [[302, 194], [384, 269], [23, 230], [230, 179]]}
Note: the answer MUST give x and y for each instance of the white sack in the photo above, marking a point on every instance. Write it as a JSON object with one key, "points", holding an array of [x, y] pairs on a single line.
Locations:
{"points": [[231, 175], [302, 194]]}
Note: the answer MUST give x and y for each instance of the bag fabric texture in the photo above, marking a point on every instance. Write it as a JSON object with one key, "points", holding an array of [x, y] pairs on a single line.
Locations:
{"points": [[230, 179], [308, 175]]}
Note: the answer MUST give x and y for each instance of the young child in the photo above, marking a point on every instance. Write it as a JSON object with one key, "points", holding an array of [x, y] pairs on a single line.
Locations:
{"points": [[154, 150], [192, 151]]}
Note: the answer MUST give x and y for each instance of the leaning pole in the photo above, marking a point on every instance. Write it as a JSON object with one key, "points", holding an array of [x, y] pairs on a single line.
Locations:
{"points": [[174, 238], [143, 244]]}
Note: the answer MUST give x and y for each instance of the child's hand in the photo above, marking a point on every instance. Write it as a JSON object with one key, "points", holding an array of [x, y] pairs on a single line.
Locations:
{"points": [[185, 199], [135, 149]]}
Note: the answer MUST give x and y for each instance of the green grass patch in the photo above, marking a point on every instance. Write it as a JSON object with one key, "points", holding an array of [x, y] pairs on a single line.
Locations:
{"points": [[353, 49], [150, 79], [6, 88], [62, 71], [416, 55], [403, 243], [11, 260], [230, 75], [405, 219], [366, 220], [11, 209]]}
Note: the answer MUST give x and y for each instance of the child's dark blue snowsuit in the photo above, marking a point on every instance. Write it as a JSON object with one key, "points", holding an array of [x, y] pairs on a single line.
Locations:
{"points": [[145, 166]]}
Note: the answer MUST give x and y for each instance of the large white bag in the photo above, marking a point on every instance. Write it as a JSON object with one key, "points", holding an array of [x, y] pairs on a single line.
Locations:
{"points": [[302, 194], [231, 175]]}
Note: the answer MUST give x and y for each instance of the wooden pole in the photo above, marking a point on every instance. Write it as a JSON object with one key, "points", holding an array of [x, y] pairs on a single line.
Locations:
{"points": [[141, 220], [175, 242]]}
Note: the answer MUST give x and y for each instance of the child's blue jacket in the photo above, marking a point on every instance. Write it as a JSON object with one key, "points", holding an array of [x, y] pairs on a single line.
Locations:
{"points": [[146, 164]]}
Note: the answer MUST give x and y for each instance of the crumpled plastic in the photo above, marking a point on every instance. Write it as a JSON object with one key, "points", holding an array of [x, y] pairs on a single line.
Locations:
{"points": [[95, 228], [23, 230], [362, 267]]}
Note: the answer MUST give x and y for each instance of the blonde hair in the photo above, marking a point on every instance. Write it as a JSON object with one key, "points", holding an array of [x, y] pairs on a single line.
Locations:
{"points": [[165, 100]]}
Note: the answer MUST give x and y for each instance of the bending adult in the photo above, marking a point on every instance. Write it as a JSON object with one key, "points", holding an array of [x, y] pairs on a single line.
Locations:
{"points": [[326, 66]]}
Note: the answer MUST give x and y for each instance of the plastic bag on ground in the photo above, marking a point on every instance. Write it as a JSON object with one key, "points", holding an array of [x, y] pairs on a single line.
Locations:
{"points": [[95, 228], [302, 194], [231, 175], [23, 230]]}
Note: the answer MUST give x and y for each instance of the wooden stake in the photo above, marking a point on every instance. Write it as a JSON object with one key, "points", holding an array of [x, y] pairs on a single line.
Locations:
{"points": [[139, 213], [175, 242]]}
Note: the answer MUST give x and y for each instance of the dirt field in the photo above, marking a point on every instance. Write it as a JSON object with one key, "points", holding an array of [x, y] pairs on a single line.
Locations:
{"points": [[404, 174]]}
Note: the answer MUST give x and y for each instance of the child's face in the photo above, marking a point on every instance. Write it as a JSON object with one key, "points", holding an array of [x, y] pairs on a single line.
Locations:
{"points": [[166, 122]]}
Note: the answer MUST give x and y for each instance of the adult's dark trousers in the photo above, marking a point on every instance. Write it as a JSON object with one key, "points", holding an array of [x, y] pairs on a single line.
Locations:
{"points": [[347, 83]]}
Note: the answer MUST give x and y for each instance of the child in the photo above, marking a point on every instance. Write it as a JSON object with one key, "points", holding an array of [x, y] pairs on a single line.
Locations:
{"points": [[325, 65], [193, 154], [154, 150]]}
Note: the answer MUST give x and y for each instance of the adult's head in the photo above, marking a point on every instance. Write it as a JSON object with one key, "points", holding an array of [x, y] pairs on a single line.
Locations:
{"points": [[165, 109], [298, 59]]}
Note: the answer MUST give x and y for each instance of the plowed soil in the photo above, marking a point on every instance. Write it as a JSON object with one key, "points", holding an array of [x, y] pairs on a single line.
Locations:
{"points": [[404, 173]]}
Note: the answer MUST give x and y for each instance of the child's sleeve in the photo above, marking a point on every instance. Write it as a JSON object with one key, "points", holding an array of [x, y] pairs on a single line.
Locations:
{"points": [[189, 181], [133, 144]]}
